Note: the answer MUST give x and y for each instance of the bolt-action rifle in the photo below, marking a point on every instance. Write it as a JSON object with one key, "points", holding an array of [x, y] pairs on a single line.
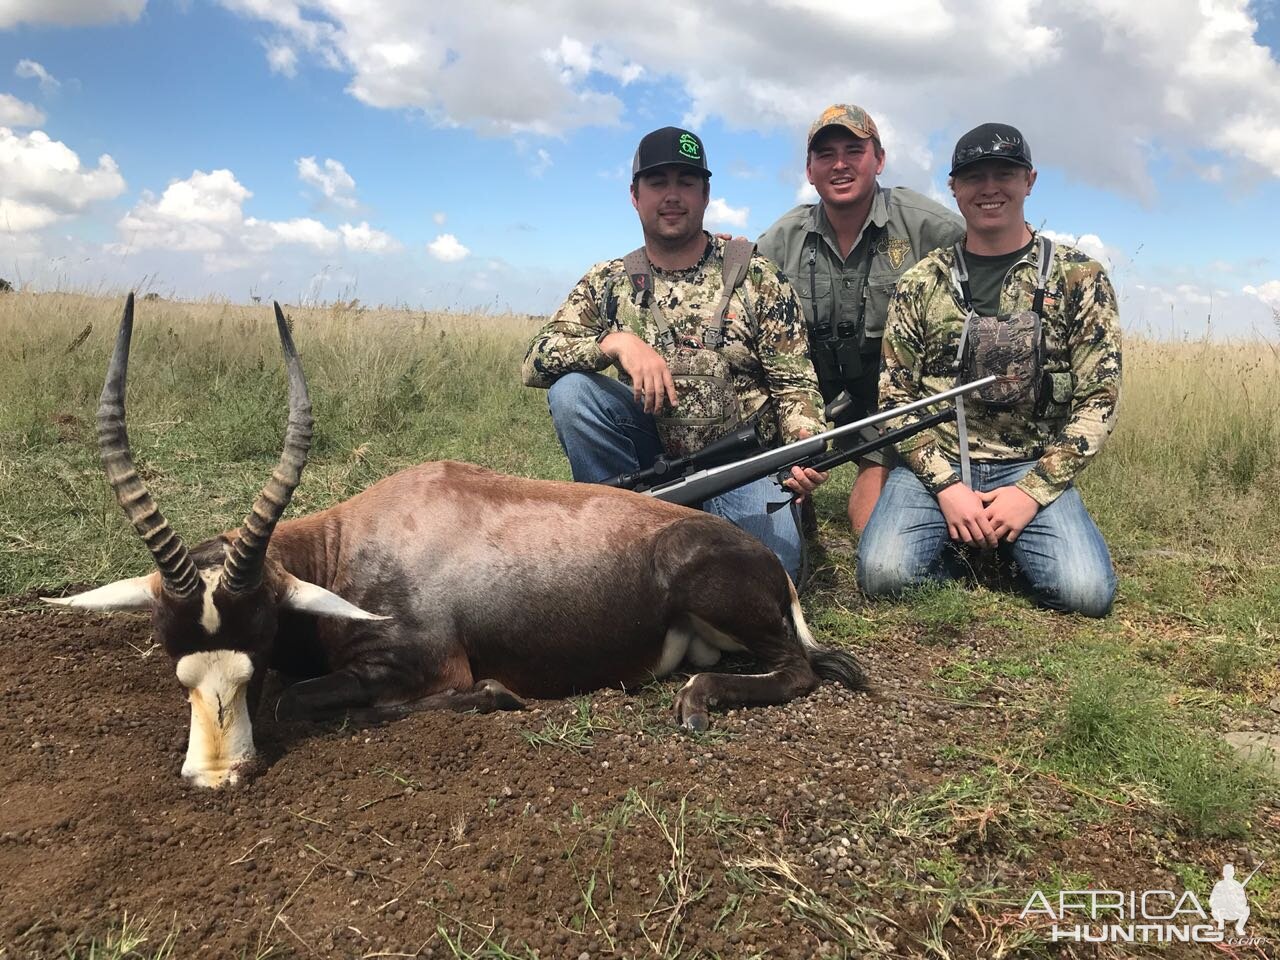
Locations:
{"points": [[735, 459]]}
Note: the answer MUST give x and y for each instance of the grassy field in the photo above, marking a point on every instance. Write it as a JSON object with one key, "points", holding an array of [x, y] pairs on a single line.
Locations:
{"points": [[1126, 711]]}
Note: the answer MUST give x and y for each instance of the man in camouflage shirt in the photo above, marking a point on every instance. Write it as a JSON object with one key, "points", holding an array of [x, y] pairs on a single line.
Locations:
{"points": [[844, 255], [1025, 458], [606, 425]]}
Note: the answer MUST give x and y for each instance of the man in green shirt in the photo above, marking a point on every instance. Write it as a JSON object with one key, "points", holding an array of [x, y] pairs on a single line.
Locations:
{"points": [[844, 256], [1041, 315]]}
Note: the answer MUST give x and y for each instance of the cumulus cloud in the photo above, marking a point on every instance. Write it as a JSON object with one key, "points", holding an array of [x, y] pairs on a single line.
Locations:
{"points": [[193, 214], [68, 13], [332, 181], [720, 214], [446, 248], [282, 59], [42, 181], [260, 236], [205, 213], [30, 70], [365, 238], [19, 113], [1089, 243], [1268, 293], [1104, 73], [805, 193]]}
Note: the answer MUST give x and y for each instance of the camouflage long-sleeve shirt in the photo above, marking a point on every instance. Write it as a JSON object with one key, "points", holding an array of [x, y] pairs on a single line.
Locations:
{"points": [[765, 344], [1080, 392]]}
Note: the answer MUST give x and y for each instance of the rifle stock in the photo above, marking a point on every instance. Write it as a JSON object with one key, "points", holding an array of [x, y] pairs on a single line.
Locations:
{"points": [[691, 490]]}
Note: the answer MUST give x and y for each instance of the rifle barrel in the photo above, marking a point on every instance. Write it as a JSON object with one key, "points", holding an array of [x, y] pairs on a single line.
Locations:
{"points": [[692, 489]]}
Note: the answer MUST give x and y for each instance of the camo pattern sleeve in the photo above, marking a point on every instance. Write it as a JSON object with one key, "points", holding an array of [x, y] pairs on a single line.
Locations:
{"points": [[1092, 386], [570, 341], [782, 347], [905, 358]]}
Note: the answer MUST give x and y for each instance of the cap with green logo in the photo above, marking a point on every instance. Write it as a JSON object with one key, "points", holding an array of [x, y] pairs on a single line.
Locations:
{"points": [[852, 118], [669, 145]]}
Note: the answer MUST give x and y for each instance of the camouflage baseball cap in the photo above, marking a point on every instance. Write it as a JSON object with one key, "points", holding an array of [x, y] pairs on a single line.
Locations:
{"points": [[991, 141], [669, 145], [854, 119]]}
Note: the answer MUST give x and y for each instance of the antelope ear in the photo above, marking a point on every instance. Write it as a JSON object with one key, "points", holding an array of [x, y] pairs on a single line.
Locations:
{"points": [[309, 598], [136, 593]]}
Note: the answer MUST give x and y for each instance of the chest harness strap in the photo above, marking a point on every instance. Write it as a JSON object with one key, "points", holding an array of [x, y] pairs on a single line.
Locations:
{"points": [[960, 281], [737, 258]]}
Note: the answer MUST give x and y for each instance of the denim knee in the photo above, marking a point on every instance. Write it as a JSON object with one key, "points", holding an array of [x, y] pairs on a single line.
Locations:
{"points": [[1091, 596], [883, 575], [1074, 584]]}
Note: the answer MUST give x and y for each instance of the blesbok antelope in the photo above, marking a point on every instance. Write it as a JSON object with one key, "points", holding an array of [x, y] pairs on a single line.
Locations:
{"points": [[446, 586]]}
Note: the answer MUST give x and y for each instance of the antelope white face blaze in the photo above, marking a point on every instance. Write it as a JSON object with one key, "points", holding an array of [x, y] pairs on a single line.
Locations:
{"points": [[220, 744], [210, 619]]}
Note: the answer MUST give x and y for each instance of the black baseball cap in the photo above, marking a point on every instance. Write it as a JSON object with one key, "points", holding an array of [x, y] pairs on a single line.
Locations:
{"points": [[670, 145], [991, 141]]}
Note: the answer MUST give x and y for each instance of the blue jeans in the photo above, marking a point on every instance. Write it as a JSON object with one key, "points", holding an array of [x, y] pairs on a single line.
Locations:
{"points": [[1060, 553], [604, 432]]}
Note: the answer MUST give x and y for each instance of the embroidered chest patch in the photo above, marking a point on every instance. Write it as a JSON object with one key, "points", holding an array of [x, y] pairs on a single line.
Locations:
{"points": [[897, 249]]}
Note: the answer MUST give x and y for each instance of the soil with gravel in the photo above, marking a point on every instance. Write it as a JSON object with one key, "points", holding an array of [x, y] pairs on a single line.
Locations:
{"points": [[446, 835]]}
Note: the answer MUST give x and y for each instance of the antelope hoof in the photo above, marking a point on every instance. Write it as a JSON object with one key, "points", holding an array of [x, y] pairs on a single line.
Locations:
{"points": [[503, 699], [696, 723], [691, 708]]}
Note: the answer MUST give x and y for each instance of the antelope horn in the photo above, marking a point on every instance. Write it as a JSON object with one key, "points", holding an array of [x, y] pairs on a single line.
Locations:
{"points": [[242, 570], [176, 566]]}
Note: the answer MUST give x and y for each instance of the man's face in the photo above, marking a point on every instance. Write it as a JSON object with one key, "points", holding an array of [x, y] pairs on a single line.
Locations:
{"points": [[842, 167], [671, 201], [991, 194]]}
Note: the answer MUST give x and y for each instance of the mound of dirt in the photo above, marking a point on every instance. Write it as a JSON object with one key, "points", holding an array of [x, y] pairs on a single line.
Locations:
{"points": [[579, 828]]}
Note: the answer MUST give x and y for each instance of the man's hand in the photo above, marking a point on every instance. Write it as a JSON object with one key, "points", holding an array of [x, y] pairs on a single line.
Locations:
{"points": [[804, 480], [966, 516], [1008, 511], [651, 381]]}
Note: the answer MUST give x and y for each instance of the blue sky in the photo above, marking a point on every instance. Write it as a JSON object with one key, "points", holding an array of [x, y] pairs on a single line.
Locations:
{"points": [[464, 156]]}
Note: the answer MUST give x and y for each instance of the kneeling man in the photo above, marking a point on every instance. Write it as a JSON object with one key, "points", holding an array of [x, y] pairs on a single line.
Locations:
{"points": [[705, 335], [1042, 316]]}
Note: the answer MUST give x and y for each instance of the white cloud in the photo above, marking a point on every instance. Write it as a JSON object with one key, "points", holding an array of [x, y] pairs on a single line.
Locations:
{"points": [[41, 181], [439, 217], [805, 193], [68, 13], [198, 213], [1193, 77], [576, 60], [19, 113], [541, 165], [30, 70], [447, 248], [1268, 293], [262, 235], [333, 181], [214, 198], [1090, 244], [363, 237], [204, 214], [282, 59], [720, 214], [1191, 294]]}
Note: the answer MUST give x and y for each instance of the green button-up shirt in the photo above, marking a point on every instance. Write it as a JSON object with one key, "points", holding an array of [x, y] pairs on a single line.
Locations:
{"points": [[904, 227]]}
